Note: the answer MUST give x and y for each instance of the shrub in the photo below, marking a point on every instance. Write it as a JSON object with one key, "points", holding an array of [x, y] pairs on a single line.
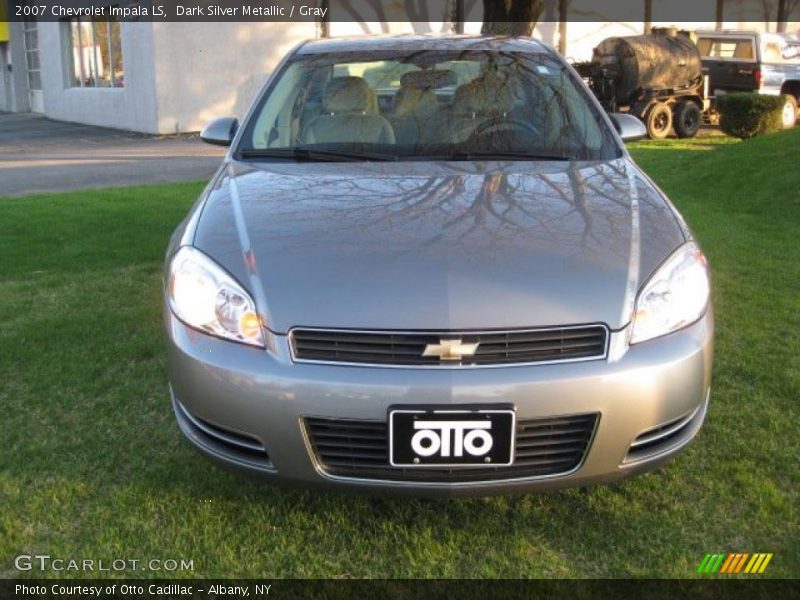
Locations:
{"points": [[746, 115]]}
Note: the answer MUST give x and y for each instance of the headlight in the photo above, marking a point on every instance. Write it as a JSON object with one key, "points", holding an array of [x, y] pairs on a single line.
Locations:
{"points": [[675, 296], [204, 296]]}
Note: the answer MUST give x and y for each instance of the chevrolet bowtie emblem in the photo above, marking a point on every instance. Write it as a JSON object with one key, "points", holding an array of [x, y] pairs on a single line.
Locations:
{"points": [[453, 349]]}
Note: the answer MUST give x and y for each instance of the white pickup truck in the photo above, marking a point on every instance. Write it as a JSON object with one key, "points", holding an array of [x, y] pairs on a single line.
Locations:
{"points": [[749, 61]]}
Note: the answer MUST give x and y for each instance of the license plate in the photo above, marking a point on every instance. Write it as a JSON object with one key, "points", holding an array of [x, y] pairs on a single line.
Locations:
{"points": [[460, 437]]}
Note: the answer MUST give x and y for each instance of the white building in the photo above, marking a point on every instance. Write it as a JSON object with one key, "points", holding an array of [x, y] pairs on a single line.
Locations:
{"points": [[149, 77], [174, 77]]}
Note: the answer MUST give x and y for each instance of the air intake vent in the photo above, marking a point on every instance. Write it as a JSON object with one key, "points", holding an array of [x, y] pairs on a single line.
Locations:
{"points": [[359, 449], [448, 349], [230, 444], [667, 436]]}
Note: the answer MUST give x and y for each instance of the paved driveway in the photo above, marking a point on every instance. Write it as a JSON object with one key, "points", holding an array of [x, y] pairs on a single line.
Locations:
{"points": [[40, 155]]}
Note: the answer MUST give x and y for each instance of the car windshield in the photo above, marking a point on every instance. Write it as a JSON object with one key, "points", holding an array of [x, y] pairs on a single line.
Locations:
{"points": [[427, 105]]}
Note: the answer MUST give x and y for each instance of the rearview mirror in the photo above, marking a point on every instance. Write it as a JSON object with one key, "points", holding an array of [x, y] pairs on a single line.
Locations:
{"points": [[628, 127], [220, 132]]}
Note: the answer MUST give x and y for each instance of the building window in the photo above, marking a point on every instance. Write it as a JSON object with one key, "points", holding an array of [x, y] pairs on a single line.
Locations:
{"points": [[31, 35], [96, 53]]}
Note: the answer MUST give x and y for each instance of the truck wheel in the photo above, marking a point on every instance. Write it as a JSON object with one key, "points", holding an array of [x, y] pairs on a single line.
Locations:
{"points": [[789, 117], [659, 121], [687, 119]]}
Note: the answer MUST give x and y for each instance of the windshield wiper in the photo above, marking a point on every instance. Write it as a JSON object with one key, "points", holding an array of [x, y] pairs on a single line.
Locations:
{"points": [[313, 154], [309, 154], [504, 155]]}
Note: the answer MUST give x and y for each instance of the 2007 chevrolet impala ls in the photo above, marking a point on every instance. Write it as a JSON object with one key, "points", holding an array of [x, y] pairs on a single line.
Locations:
{"points": [[428, 265]]}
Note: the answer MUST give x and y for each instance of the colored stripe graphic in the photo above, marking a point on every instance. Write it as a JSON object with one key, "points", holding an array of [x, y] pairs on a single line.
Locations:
{"points": [[711, 563], [766, 561], [703, 564], [732, 558], [713, 567], [734, 563], [754, 563], [741, 562]]}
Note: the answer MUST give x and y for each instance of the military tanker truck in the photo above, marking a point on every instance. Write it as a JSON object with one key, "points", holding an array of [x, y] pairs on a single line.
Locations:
{"points": [[656, 77]]}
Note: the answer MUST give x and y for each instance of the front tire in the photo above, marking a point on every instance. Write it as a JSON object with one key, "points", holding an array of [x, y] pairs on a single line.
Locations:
{"points": [[789, 115], [687, 119], [659, 121]]}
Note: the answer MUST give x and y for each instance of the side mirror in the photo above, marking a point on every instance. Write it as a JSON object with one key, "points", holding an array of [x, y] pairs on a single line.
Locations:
{"points": [[628, 127], [220, 132]]}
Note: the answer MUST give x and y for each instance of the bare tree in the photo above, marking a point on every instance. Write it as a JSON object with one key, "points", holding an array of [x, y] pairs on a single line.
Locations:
{"points": [[563, 10], [417, 11], [785, 9], [766, 8], [511, 17]]}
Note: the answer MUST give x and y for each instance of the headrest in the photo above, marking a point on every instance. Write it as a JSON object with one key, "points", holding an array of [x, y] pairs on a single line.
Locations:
{"points": [[349, 94], [426, 80], [491, 92]]}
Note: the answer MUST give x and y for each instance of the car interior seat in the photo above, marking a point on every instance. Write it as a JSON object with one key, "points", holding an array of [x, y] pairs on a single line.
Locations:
{"points": [[349, 115], [485, 101], [415, 103]]}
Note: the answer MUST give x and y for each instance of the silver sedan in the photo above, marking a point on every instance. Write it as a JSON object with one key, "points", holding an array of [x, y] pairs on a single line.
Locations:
{"points": [[428, 265]]}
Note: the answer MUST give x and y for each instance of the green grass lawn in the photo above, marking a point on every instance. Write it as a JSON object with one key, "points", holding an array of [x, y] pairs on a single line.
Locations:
{"points": [[93, 466]]}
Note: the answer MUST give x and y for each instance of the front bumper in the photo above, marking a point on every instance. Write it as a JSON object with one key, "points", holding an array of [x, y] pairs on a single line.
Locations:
{"points": [[246, 407]]}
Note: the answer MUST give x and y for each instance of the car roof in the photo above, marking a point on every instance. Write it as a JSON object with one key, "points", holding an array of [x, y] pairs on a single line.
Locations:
{"points": [[742, 33], [727, 32], [424, 42]]}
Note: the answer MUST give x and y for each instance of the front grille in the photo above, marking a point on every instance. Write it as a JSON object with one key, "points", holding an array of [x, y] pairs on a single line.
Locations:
{"points": [[407, 348], [359, 449]]}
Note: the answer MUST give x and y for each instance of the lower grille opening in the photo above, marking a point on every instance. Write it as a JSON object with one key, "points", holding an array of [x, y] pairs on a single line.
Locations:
{"points": [[360, 449], [234, 445], [664, 437]]}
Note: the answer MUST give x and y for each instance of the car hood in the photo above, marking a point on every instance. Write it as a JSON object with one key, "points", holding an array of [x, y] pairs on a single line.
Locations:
{"points": [[438, 246]]}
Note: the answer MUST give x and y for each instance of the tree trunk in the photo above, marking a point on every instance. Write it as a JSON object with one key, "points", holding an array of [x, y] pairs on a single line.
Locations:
{"points": [[323, 23], [457, 16], [511, 17]]}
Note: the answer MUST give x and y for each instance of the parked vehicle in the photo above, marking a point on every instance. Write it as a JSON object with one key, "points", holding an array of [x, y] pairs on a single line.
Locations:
{"points": [[656, 77], [473, 290], [749, 61]]}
